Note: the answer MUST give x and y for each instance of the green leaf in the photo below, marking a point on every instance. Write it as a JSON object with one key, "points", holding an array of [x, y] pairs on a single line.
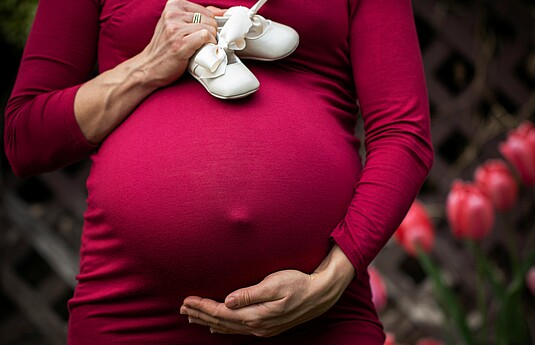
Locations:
{"points": [[447, 298], [16, 18]]}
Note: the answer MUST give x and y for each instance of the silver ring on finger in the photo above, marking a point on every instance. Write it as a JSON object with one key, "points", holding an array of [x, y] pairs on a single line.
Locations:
{"points": [[196, 18]]}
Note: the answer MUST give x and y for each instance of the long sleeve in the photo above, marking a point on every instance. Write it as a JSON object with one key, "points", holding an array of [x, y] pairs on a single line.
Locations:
{"points": [[390, 85], [41, 133]]}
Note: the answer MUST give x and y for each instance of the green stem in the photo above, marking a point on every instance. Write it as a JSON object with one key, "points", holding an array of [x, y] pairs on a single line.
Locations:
{"points": [[526, 265], [511, 244], [448, 300], [481, 288], [511, 323], [511, 327], [488, 269]]}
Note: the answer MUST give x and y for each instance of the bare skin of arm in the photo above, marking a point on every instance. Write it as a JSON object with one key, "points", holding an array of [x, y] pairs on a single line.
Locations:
{"points": [[102, 103]]}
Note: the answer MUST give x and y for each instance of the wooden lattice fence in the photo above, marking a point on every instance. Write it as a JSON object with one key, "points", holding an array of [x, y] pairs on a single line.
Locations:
{"points": [[480, 84], [480, 71]]}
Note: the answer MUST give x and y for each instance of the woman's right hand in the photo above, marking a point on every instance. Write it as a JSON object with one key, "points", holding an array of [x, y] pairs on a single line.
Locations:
{"points": [[103, 102], [176, 39]]}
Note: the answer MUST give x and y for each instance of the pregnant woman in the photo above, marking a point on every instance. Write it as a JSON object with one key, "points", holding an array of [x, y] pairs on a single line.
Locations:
{"points": [[193, 201]]}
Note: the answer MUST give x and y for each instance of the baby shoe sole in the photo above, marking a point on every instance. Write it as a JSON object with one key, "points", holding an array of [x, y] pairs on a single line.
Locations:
{"points": [[245, 94]]}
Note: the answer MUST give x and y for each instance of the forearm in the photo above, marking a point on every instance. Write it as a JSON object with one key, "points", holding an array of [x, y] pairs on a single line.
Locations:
{"points": [[102, 103]]}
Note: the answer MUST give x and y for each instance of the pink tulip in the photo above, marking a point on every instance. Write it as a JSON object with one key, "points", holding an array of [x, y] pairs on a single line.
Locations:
{"points": [[519, 150], [530, 280], [378, 287], [469, 210], [496, 179], [416, 230], [429, 341], [390, 339]]}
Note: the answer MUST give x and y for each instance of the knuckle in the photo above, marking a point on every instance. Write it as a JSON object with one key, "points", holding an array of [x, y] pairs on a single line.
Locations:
{"points": [[216, 313], [168, 14], [182, 4], [205, 34], [254, 323], [183, 16], [279, 309], [170, 3], [170, 29], [247, 297], [213, 31], [176, 47]]}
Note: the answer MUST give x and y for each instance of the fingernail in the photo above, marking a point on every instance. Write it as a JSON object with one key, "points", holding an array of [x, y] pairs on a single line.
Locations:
{"points": [[190, 320], [183, 310], [232, 302], [211, 330]]}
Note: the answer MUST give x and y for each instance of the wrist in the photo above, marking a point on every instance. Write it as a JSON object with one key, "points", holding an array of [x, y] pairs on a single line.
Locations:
{"points": [[334, 274], [138, 71]]}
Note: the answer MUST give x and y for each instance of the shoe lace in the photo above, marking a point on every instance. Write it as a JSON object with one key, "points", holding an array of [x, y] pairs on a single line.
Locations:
{"points": [[256, 7]]}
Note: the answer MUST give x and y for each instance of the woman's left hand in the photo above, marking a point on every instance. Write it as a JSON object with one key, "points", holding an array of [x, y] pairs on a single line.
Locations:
{"points": [[281, 301]]}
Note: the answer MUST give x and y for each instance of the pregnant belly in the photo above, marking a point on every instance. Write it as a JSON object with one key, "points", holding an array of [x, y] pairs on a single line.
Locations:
{"points": [[203, 202]]}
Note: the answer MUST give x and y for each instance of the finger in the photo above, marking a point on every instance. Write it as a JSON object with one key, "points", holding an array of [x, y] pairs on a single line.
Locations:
{"points": [[215, 311], [195, 40], [201, 322], [198, 317], [204, 19], [265, 291], [189, 29], [190, 7], [216, 10], [175, 15], [215, 328]]}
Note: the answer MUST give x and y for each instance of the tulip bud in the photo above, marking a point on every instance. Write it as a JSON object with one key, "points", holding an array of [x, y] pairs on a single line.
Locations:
{"points": [[469, 211], [429, 341], [530, 280], [519, 150], [496, 179], [390, 339], [416, 230], [378, 287]]}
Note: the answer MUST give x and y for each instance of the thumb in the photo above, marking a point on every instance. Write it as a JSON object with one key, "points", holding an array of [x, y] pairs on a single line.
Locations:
{"points": [[265, 291]]}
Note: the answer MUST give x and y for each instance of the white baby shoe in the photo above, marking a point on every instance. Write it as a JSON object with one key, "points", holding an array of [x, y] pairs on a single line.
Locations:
{"points": [[218, 68], [266, 40], [230, 79]]}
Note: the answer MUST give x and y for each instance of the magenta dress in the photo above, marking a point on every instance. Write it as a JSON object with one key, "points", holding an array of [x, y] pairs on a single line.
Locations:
{"points": [[192, 195]]}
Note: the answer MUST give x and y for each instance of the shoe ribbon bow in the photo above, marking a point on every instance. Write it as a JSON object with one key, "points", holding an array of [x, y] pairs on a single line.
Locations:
{"points": [[212, 58]]}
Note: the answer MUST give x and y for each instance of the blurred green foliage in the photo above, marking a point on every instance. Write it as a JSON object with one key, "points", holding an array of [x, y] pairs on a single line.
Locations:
{"points": [[16, 18]]}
